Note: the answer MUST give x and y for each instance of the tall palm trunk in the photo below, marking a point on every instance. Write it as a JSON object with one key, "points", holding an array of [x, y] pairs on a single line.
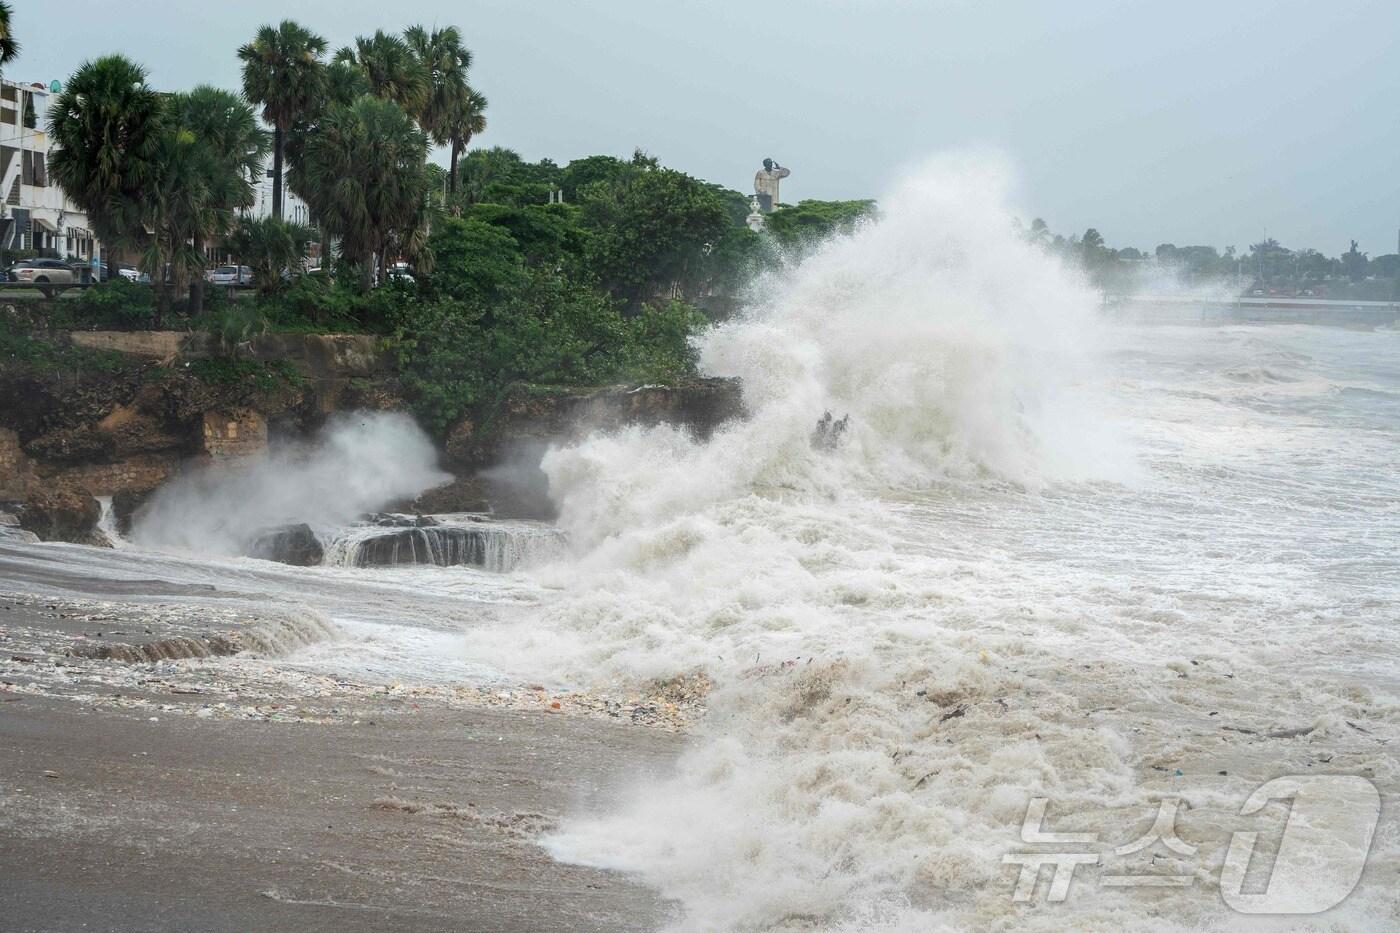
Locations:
{"points": [[452, 167], [277, 172], [367, 271], [162, 304], [197, 282]]}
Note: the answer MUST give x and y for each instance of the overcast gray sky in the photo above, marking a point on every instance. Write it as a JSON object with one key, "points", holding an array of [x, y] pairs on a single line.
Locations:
{"points": [[1188, 122]]}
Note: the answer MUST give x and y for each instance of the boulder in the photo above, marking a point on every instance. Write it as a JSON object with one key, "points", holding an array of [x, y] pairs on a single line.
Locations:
{"points": [[462, 494], [125, 505], [11, 531], [62, 513], [288, 544]]}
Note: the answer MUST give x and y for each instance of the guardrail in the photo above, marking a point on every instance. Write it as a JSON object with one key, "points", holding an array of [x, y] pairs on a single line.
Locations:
{"points": [[35, 285]]}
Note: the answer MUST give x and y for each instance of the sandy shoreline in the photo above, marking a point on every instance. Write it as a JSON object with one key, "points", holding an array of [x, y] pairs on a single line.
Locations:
{"points": [[221, 794]]}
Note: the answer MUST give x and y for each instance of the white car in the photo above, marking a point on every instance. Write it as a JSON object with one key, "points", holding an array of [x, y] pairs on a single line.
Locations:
{"points": [[229, 275], [130, 274]]}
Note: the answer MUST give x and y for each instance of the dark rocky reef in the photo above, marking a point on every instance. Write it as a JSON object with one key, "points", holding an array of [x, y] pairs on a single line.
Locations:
{"points": [[460, 542], [63, 513], [290, 544], [544, 414]]}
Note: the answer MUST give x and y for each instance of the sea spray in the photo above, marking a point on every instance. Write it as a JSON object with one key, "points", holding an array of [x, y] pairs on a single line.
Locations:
{"points": [[358, 463], [871, 741], [957, 348]]}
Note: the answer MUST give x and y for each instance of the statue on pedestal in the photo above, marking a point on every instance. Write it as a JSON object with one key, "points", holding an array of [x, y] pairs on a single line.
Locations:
{"points": [[755, 218], [765, 185]]}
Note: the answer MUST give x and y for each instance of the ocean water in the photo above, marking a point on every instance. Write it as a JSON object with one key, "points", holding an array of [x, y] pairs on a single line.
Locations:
{"points": [[1054, 557]]}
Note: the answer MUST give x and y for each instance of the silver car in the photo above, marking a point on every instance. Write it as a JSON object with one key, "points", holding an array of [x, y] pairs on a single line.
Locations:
{"points": [[43, 272], [229, 275]]}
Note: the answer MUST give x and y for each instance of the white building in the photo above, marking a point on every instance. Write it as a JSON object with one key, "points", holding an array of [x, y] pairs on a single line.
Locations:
{"points": [[294, 209], [35, 214]]}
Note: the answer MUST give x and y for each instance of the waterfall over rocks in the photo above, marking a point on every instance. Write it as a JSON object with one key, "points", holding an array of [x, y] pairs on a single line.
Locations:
{"points": [[445, 541]]}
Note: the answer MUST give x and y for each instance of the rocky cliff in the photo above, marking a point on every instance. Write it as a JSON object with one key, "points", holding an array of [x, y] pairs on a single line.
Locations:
{"points": [[68, 434]]}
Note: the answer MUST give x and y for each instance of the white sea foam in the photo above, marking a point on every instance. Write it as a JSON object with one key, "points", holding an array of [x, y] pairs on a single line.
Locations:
{"points": [[989, 593]]}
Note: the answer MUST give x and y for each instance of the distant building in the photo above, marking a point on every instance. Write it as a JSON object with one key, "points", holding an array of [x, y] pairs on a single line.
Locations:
{"points": [[35, 214], [294, 209]]}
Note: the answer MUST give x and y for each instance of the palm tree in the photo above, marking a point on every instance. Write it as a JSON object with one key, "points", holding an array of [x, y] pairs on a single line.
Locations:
{"points": [[364, 175], [269, 246], [466, 119], [454, 112], [107, 126], [282, 72], [391, 69], [9, 48], [177, 204], [344, 83], [443, 56], [230, 151]]}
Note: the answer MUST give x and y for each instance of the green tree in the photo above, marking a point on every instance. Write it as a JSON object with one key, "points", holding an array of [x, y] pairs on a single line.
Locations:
{"points": [[364, 175], [391, 70], [466, 119], [1269, 259], [9, 48], [229, 150], [284, 74], [342, 85], [475, 262], [107, 126], [605, 170], [269, 247], [446, 61], [1039, 233], [453, 113], [547, 234], [650, 232], [808, 222], [500, 176]]}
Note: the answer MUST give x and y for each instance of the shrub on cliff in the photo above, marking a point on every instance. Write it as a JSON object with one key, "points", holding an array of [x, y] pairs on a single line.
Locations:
{"points": [[116, 303], [456, 355], [270, 247]]}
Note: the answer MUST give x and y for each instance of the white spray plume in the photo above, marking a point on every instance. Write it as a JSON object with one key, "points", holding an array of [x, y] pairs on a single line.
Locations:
{"points": [[964, 357], [957, 348], [357, 463]]}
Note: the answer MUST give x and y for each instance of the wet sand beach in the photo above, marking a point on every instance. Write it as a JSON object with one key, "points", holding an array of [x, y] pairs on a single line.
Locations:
{"points": [[130, 799]]}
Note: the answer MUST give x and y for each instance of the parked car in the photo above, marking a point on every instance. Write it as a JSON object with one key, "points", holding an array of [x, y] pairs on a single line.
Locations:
{"points": [[399, 272], [43, 272], [229, 275], [130, 274]]}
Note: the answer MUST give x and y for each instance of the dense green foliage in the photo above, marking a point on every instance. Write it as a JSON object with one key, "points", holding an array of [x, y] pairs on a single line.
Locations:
{"points": [[262, 375], [496, 312], [23, 346], [364, 174], [801, 225], [271, 248], [107, 126], [117, 303], [493, 272], [157, 174]]}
